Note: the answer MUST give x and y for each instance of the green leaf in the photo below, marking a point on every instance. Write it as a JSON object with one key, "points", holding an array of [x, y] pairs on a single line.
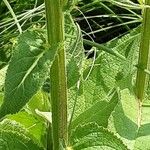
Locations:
{"points": [[91, 135], [75, 58], [98, 113], [130, 121], [35, 126], [109, 71], [39, 101], [1, 98], [124, 117], [14, 137], [45, 115], [143, 138], [73, 74], [76, 100], [2, 77], [147, 93], [99, 83], [74, 51], [28, 69]]}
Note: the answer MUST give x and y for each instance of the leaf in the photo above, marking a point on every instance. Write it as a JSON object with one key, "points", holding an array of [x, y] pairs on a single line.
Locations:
{"points": [[109, 71], [76, 100], [28, 69], [143, 138], [131, 121], [1, 98], [91, 135], [75, 58], [45, 115], [39, 101], [141, 1], [98, 113], [2, 77], [33, 125], [14, 137], [74, 51], [73, 73], [124, 117]]}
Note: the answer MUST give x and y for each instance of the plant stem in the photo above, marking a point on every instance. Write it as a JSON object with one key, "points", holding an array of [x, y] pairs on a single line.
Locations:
{"points": [[13, 14], [55, 31], [104, 48], [143, 60]]}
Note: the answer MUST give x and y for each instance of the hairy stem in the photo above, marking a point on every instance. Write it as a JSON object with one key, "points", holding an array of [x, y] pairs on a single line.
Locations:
{"points": [[55, 31], [143, 60]]}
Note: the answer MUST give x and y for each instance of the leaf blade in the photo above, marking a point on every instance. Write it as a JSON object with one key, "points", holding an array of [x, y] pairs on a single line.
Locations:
{"points": [[28, 69], [91, 135], [98, 113], [13, 136]]}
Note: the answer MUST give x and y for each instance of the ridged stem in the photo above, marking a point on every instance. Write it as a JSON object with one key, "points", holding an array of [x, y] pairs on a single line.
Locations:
{"points": [[55, 32], [143, 60]]}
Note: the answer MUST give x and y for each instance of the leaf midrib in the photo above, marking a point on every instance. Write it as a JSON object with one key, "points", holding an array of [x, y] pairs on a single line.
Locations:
{"points": [[28, 71]]}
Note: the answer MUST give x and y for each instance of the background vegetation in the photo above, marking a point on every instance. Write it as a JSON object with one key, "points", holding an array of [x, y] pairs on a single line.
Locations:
{"points": [[107, 69]]}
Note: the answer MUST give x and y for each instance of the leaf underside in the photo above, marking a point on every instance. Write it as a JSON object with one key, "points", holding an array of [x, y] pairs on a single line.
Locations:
{"points": [[131, 122]]}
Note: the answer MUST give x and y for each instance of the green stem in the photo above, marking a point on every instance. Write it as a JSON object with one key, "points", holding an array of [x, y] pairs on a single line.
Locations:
{"points": [[109, 10], [13, 15], [143, 60], [55, 31], [104, 48]]}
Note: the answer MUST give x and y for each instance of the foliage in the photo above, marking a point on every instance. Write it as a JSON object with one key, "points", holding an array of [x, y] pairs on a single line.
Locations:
{"points": [[104, 112], [16, 136], [101, 108], [129, 120], [27, 71], [92, 136]]}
